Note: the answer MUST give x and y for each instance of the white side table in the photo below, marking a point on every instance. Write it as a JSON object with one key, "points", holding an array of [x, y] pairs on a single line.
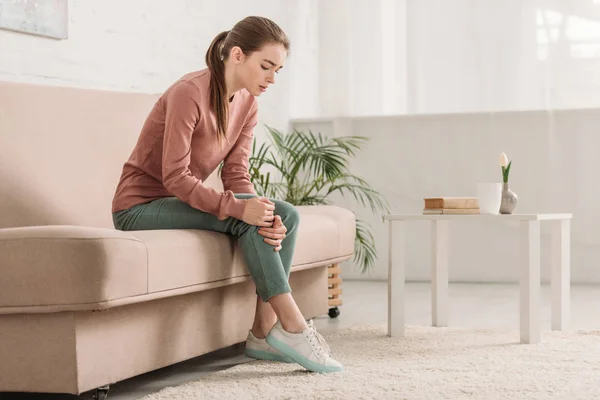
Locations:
{"points": [[529, 279]]}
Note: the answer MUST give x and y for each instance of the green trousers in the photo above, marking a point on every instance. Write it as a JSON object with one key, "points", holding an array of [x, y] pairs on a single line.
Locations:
{"points": [[269, 269]]}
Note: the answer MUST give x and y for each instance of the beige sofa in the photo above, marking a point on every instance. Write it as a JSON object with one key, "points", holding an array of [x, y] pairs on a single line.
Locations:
{"points": [[83, 305]]}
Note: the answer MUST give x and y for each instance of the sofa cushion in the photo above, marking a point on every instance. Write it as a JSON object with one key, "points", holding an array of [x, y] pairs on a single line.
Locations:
{"points": [[51, 265], [178, 258], [66, 265], [185, 257]]}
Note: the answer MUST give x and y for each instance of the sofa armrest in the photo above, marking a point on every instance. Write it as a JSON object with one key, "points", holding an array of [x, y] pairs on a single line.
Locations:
{"points": [[344, 219]]}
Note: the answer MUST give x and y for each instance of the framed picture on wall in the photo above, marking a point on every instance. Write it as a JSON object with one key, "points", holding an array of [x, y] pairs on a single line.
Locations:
{"points": [[47, 18]]}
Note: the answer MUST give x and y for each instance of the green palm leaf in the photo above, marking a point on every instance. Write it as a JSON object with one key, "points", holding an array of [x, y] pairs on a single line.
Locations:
{"points": [[312, 167], [364, 244]]}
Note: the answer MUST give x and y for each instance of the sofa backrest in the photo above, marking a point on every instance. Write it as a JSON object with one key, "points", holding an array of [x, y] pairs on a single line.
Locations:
{"points": [[62, 151]]}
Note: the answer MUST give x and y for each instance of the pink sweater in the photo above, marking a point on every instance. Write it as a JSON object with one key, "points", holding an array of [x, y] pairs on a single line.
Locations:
{"points": [[178, 149]]}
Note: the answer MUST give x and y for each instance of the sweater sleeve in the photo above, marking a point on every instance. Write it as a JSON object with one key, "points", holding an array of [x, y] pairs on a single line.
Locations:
{"points": [[235, 173], [182, 113]]}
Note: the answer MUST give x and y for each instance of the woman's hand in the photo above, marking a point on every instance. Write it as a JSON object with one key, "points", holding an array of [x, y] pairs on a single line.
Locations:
{"points": [[259, 212], [274, 235]]}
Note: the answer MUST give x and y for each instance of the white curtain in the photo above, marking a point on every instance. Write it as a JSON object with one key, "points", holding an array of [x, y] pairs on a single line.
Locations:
{"points": [[387, 57]]}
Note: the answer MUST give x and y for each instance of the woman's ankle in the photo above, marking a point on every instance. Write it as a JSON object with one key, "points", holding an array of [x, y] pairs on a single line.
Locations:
{"points": [[261, 330], [289, 314], [294, 326]]}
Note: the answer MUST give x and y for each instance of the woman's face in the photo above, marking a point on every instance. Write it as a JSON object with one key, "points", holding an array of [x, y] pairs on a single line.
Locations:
{"points": [[256, 72]]}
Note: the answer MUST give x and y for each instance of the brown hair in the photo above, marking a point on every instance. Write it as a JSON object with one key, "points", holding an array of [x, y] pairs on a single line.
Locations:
{"points": [[249, 34]]}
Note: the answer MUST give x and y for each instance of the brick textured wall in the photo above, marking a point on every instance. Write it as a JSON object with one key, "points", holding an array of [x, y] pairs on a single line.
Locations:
{"points": [[144, 45], [134, 45]]}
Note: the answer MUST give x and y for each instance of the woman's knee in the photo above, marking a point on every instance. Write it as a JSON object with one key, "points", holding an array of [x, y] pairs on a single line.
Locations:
{"points": [[287, 211]]}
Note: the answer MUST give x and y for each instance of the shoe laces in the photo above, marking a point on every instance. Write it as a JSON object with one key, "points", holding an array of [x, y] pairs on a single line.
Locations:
{"points": [[321, 345]]}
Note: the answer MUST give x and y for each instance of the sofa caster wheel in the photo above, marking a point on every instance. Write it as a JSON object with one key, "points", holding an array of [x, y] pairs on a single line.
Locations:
{"points": [[334, 312], [101, 393]]}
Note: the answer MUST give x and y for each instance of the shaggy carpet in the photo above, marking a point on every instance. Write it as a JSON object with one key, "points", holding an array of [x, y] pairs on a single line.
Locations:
{"points": [[429, 363]]}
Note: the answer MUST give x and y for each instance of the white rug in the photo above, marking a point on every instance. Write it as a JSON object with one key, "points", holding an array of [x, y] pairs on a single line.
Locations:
{"points": [[429, 363]]}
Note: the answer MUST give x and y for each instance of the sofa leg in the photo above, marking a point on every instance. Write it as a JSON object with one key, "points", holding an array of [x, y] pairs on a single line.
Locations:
{"points": [[101, 393], [334, 281]]}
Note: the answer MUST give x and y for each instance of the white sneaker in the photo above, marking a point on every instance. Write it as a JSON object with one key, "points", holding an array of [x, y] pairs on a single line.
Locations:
{"points": [[307, 348], [259, 349]]}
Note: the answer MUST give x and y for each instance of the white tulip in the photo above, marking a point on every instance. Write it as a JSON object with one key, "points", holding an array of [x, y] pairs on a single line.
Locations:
{"points": [[503, 160]]}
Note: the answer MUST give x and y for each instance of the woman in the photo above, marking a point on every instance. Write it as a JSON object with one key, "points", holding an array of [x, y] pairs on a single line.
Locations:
{"points": [[204, 118]]}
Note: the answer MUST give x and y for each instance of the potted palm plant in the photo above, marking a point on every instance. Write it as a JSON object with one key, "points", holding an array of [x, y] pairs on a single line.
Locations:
{"points": [[309, 169]]}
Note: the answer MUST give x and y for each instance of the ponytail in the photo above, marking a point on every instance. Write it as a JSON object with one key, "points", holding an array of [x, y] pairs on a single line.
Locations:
{"points": [[215, 60]]}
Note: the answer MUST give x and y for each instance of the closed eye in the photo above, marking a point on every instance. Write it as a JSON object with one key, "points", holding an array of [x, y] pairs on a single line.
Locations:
{"points": [[267, 68]]}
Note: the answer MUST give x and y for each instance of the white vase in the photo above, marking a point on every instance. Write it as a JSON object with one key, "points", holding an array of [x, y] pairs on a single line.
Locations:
{"points": [[509, 200], [489, 197]]}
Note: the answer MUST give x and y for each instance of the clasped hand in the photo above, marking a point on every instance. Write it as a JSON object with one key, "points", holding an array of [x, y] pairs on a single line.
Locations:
{"points": [[259, 211]]}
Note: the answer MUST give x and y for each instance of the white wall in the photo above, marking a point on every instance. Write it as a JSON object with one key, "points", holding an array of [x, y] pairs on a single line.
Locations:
{"points": [[145, 45]]}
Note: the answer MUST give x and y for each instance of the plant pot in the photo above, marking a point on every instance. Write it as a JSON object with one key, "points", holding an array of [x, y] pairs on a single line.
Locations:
{"points": [[489, 196], [509, 200]]}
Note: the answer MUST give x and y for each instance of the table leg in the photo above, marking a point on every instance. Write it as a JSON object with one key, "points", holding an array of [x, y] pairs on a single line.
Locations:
{"points": [[530, 282], [396, 261], [439, 273], [560, 280]]}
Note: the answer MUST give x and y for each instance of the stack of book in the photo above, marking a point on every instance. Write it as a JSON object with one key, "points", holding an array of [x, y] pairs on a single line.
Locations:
{"points": [[451, 205]]}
